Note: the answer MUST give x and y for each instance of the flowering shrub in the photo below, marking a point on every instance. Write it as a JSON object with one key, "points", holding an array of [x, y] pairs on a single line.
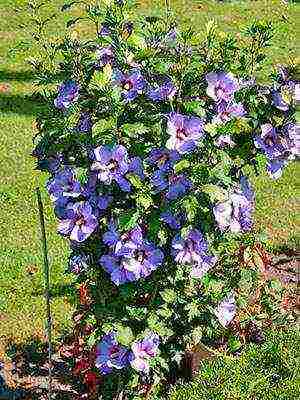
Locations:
{"points": [[148, 141]]}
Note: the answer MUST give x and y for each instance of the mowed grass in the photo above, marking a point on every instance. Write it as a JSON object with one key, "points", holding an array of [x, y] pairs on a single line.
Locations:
{"points": [[22, 309]]}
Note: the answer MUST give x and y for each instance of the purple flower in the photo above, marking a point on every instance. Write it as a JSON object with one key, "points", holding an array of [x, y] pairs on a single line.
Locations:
{"points": [[279, 102], [104, 56], [283, 73], [224, 141], [65, 184], [172, 35], [136, 167], [278, 146], [143, 350], [162, 158], [192, 250], [104, 201], [204, 265], [227, 111], [297, 94], [62, 207], [275, 167], [127, 29], [78, 263], [270, 142], [111, 355], [174, 221], [131, 256], [164, 92], [292, 132], [185, 132], [85, 123], [68, 93], [226, 310], [112, 165], [112, 236], [221, 86], [284, 95], [104, 30], [52, 164], [132, 84], [188, 250], [235, 214], [113, 266], [81, 222], [174, 185], [99, 203]]}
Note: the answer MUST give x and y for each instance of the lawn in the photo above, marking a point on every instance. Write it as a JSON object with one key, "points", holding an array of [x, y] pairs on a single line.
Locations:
{"points": [[21, 274]]}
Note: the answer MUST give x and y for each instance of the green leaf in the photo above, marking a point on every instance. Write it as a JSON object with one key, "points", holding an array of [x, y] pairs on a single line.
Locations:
{"points": [[162, 236], [162, 67], [191, 207], [137, 41], [144, 200], [156, 325], [169, 295], [74, 21], [154, 225], [181, 165], [138, 313], [102, 125], [67, 6], [216, 193], [211, 128], [135, 180], [165, 312], [100, 79], [124, 335], [195, 107], [197, 334], [134, 130], [128, 220], [234, 344], [92, 339], [192, 310]]}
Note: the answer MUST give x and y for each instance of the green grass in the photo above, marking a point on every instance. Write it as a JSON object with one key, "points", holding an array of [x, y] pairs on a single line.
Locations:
{"points": [[21, 302], [265, 372]]}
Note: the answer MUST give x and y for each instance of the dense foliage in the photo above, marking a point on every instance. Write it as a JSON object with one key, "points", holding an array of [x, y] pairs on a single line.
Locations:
{"points": [[148, 140]]}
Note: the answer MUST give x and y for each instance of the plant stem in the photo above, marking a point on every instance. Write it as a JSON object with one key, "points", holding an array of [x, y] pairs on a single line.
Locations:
{"points": [[167, 6], [47, 288]]}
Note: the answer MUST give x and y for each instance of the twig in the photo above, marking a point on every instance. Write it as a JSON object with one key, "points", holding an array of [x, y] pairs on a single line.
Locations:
{"points": [[47, 289]]}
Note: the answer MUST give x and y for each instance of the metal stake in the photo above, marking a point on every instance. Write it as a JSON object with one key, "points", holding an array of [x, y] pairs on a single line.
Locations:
{"points": [[47, 288]]}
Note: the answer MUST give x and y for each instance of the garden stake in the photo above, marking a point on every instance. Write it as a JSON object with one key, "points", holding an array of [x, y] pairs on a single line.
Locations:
{"points": [[47, 287]]}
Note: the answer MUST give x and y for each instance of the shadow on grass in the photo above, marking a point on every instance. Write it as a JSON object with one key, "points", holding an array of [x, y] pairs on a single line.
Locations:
{"points": [[29, 370], [20, 104], [19, 76]]}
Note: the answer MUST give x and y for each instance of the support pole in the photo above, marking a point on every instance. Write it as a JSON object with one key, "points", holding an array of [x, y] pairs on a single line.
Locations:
{"points": [[47, 289]]}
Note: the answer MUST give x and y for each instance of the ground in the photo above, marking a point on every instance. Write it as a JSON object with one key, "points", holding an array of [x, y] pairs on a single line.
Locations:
{"points": [[21, 272]]}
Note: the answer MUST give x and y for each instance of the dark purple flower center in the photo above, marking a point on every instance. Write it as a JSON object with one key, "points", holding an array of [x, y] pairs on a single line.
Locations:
{"points": [[113, 165], [174, 179], [225, 114], [219, 90], [114, 350], [127, 84], [140, 255], [80, 221], [181, 133], [271, 140], [162, 159]]}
